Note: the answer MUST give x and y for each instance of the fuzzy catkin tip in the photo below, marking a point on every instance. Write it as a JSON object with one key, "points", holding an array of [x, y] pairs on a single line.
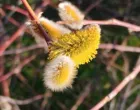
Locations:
{"points": [[81, 46], [71, 15], [59, 73]]}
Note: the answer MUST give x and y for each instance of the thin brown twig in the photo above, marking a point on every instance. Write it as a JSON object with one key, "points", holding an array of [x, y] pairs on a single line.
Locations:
{"points": [[92, 6], [82, 96], [17, 69], [21, 102], [21, 50], [35, 18], [18, 33], [134, 105], [120, 48], [12, 39], [4, 84], [131, 27], [126, 80], [113, 21], [133, 90], [16, 9], [10, 19], [115, 56]]}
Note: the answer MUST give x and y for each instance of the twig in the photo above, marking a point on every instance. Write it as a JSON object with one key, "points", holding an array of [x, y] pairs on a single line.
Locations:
{"points": [[17, 69], [133, 90], [21, 50], [130, 77], [12, 39], [120, 48], [4, 84], [18, 33], [92, 6], [16, 9], [124, 96], [131, 27], [135, 104], [34, 17], [21, 102], [10, 19], [82, 96]]}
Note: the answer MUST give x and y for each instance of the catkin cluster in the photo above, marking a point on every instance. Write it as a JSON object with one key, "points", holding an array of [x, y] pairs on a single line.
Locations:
{"points": [[71, 46]]}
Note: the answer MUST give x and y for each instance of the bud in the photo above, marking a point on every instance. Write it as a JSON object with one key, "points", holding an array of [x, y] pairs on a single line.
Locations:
{"points": [[59, 73], [54, 30], [71, 15]]}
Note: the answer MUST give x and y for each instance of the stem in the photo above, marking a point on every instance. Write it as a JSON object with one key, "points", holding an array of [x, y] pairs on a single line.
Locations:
{"points": [[34, 17]]}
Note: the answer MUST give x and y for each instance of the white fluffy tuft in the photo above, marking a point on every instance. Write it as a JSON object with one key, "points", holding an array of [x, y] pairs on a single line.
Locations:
{"points": [[52, 70], [70, 21], [38, 38]]}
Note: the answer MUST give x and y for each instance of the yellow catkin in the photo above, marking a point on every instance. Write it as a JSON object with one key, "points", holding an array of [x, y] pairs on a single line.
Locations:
{"points": [[59, 73], [54, 30], [81, 45], [71, 15]]}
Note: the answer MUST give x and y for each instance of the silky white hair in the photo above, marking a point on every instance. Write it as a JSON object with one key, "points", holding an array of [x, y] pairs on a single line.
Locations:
{"points": [[51, 72]]}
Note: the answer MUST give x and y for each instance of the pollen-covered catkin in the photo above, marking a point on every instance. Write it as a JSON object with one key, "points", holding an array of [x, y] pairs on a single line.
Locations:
{"points": [[59, 73], [81, 46]]}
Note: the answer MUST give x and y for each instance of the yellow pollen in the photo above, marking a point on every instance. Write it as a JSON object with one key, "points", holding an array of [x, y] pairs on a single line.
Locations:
{"points": [[81, 45], [61, 75], [53, 31], [72, 13]]}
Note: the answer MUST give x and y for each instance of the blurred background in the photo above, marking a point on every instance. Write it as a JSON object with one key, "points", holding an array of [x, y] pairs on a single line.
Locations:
{"points": [[22, 61]]}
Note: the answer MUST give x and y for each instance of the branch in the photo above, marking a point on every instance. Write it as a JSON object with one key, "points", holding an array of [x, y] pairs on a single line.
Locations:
{"points": [[130, 77], [17, 69], [113, 21], [11, 39], [131, 27], [21, 102], [16, 9], [134, 104], [82, 96], [19, 32], [34, 17], [10, 19], [120, 48], [22, 50]]}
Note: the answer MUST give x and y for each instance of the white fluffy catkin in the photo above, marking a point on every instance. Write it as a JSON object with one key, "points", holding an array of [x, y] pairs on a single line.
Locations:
{"points": [[71, 15], [59, 73]]}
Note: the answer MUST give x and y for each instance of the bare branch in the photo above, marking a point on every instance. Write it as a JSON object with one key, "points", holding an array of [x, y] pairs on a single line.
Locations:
{"points": [[130, 77], [130, 26], [120, 48], [17, 69], [82, 96], [34, 17], [21, 102], [135, 104]]}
